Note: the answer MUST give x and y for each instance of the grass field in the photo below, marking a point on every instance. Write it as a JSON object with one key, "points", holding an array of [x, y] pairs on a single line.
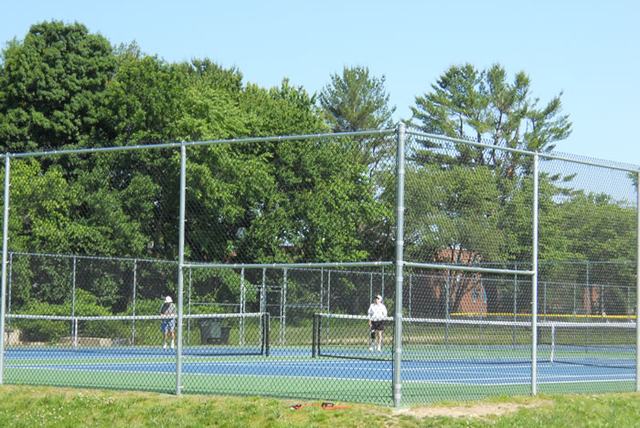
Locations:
{"points": [[26, 406]]}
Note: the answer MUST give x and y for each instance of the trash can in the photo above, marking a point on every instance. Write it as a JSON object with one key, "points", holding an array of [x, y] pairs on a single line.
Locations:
{"points": [[213, 332]]}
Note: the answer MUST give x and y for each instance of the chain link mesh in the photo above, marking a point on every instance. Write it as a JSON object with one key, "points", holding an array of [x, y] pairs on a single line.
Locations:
{"points": [[287, 243]]}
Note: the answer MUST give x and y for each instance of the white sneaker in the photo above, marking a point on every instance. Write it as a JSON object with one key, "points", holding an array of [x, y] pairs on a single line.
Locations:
{"points": [[379, 348], [371, 348], [172, 345], [164, 346]]}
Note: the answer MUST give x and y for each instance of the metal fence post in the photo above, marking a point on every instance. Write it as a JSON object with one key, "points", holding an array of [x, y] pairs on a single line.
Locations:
{"points": [[73, 290], [189, 304], [397, 332], [263, 292], [183, 186], [9, 279], [534, 281], [283, 309], [5, 243], [638, 282], [243, 300], [133, 300]]}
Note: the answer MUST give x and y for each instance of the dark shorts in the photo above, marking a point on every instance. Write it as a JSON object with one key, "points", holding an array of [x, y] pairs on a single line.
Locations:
{"points": [[377, 325], [168, 325]]}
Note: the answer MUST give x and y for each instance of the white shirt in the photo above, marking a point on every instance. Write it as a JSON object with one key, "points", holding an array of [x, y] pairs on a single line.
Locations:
{"points": [[377, 311]]}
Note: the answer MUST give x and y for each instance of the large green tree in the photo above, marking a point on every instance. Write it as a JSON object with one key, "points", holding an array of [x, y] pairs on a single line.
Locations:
{"points": [[52, 87], [484, 106], [355, 100]]}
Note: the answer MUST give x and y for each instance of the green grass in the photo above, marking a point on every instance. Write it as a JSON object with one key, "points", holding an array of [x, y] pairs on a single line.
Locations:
{"points": [[359, 391], [26, 406]]}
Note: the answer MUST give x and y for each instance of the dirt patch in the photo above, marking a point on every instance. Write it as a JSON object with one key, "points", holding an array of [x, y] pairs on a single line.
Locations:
{"points": [[471, 411]]}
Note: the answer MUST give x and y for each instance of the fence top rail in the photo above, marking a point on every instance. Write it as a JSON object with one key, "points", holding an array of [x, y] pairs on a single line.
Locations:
{"points": [[549, 155], [476, 269], [173, 145], [364, 133], [284, 265], [81, 257]]}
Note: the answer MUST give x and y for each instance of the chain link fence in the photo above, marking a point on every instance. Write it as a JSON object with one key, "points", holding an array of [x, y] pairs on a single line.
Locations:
{"points": [[513, 272]]}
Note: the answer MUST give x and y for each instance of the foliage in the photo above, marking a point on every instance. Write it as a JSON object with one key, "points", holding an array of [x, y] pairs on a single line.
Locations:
{"points": [[486, 107], [356, 101], [53, 87], [44, 330], [291, 200]]}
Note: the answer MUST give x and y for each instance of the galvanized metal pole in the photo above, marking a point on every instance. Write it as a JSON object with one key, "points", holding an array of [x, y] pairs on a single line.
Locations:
{"points": [[321, 289], [5, 243], [534, 281], [133, 301], [447, 292], [243, 298], [397, 332], [638, 283], [189, 305], [183, 187], [9, 279], [283, 309], [263, 292], [410, 293], [329, 291], [515, 308], [73, 290]]}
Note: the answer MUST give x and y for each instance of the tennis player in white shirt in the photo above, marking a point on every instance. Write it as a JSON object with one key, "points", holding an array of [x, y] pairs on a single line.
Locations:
{"points": [[377, 313]]}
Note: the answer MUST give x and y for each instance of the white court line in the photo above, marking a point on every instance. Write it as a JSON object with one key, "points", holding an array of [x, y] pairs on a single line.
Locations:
{"points": [[449, 382], [464, 381], [146, 372]]}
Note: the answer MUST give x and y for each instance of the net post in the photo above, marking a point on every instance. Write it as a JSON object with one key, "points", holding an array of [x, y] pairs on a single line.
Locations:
{"points": [[534, 280], [183, 186], [396, 381], [314, 336], [638, 282], [5, 249]]}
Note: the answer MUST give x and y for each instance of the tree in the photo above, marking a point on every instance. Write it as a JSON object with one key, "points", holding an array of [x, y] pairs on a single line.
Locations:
{"points": [[52, 87], [454, 219], [356, 101], [602, 231], [483, 106], [282, 200]]}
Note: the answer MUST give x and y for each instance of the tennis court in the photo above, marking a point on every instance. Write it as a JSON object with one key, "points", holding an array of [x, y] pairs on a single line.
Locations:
{"points": [[495, 284], [337, 367]]}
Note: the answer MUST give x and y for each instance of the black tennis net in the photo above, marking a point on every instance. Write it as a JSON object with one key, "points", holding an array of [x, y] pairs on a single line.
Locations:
{"points": [[478, 342], [203, 334]]}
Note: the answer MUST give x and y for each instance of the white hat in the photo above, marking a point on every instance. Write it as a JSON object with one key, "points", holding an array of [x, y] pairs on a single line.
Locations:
{"points": [[378, 296], [168, 299]]}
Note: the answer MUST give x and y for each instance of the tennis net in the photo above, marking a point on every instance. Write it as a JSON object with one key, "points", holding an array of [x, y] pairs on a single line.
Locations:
{"points": [[478, 342], [203, 334]]}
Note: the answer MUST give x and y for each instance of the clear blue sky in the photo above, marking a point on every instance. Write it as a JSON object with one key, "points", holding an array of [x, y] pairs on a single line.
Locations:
{"points": [[589, 50]]}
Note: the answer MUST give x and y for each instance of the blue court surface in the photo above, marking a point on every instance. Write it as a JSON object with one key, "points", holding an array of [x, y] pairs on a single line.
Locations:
{"points": [[297, 363]]}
